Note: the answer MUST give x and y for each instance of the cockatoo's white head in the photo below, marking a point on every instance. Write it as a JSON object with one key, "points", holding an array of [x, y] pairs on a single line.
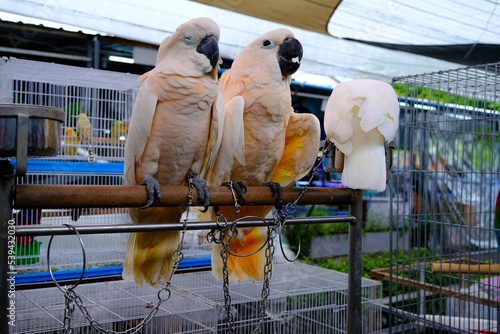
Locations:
{"points": [[194, 44], [275, 53]]}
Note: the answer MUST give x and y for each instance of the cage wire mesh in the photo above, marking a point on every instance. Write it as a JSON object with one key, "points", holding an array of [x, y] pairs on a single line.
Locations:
{"points": [[445, 181], [303, 299], [107, 99]]}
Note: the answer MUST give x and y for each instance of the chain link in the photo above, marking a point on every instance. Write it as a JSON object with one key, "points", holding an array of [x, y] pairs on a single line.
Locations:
{"points": [[227, 296], [72, 298], [226, 231], [281, 216], [91, 157], [223, 235], [268, 271]]}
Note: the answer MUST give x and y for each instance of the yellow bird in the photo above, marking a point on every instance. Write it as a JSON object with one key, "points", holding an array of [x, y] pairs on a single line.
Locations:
{"points": [[71, 142], [84, 128], [119, 130]]}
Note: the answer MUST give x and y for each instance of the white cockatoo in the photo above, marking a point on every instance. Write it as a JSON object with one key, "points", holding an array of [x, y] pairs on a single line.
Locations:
{"points": [[360, 116], [175, 130], [273, 144]]}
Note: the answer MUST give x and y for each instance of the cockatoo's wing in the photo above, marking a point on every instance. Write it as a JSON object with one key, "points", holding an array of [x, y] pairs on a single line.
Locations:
{"points": [[216, 137], [380, 108], [301, 149], [140, 128], [372, 101], [232, 146]]}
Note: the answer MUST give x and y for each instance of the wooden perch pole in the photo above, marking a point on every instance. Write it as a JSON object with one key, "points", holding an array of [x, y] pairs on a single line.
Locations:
{"points": [[83, 196], [455, 268]]}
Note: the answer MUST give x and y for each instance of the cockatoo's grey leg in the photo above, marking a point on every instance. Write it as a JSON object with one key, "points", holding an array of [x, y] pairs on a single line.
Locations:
{"points": [[203, 191], [276, 190], [152, 190]]}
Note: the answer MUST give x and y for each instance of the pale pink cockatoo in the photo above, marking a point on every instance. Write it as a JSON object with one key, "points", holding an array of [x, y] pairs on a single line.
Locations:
{"points": [[273, 144], [175, 130]]}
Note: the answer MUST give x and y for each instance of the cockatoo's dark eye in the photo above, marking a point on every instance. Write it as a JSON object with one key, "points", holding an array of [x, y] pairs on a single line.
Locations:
{"points": [[188, 41], [268, 44]]}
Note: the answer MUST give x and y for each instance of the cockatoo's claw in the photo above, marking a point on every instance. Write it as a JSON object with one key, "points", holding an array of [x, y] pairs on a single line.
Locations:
{"points": [[203, 192], [242, 187], [276, 190], [239, 188], [152, 190]]}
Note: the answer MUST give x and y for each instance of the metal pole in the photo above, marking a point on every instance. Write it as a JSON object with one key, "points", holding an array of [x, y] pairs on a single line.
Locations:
{"points": [[127, 228], [6, 184], [354, 316]]}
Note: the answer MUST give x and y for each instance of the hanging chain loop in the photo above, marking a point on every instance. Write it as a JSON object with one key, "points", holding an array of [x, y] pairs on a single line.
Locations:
{"points": [[91, 157], [72, 299]]}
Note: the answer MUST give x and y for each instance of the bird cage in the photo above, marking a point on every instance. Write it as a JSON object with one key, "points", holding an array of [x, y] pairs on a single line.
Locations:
{"points": [[303, 299], [445, 181], [107, 99]]}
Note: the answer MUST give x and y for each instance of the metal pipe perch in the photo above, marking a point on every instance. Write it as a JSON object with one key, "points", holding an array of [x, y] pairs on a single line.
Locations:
{"points": [[127, 228]]}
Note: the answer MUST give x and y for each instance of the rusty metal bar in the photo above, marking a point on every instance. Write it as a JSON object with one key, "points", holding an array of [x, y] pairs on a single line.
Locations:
{"points": [[83, 196], [127, 228], [354, 314], [6, 264]]}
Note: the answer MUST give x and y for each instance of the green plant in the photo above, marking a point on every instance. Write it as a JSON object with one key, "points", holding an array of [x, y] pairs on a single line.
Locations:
{"points": [[374, 223], [434, 95], [378, 260]]}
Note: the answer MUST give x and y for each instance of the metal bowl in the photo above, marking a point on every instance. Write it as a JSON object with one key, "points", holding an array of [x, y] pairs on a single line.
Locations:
{"points": [[37, 127]]}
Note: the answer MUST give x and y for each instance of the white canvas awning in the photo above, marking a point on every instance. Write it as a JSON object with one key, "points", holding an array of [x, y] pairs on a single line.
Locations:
{"points": [[341, 51]]}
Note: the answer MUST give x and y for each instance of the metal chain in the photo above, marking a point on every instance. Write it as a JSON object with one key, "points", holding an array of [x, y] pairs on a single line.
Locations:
{"points": [[223, 235], [281, 216], [91, 157], [225, 232], [225, 286], [268, 271], [72, 298], [69, 307]]}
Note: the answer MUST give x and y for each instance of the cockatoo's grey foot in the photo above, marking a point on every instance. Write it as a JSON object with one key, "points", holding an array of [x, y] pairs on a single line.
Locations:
{"points": [[276, 190], [239, 188], [203, 192], [152, 190]]}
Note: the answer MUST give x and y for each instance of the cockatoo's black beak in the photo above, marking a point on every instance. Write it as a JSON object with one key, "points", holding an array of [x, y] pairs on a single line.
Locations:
{"points": [[289, 56], [210, 48]]}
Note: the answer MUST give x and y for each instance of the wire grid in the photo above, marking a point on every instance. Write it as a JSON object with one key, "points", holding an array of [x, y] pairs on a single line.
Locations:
{"points": [[303, 299], [107, 98], [445, 181], [102, 250]]}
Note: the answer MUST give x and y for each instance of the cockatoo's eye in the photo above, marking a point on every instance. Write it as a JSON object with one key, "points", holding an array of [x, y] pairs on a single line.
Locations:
{"points": [[188, 41], [268, 44]]}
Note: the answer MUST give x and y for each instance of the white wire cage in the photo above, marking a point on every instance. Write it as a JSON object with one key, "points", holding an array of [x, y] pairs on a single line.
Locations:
{"points": [[107, 99], [445, 182], [303, 299]]}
